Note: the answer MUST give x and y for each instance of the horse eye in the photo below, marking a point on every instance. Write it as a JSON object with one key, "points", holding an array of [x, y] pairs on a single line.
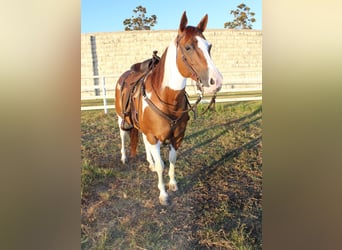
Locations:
{"points": [[188, 47]]}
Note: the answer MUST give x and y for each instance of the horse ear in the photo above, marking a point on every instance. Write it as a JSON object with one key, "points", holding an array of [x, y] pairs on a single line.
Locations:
{"points": [[183, 23], [203, 23]]}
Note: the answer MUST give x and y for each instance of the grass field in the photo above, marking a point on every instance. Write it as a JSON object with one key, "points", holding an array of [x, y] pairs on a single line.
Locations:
{"points": [[219, 174]]}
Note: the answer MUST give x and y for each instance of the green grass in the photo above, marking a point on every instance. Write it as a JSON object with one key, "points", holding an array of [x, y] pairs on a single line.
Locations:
{"points": [[219, 174]]}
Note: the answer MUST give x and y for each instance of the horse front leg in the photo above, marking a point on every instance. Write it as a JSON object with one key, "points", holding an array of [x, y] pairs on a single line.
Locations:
{"points": [[159, 166], [148, 154], [172, 160]]}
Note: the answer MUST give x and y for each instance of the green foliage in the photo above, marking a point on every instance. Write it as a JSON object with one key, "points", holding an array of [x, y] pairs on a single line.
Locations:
{"points": [[140, 21], [243, 18]]}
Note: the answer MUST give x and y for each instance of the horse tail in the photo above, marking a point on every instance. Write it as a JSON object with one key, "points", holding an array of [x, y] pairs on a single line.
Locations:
{"points": [[134, 137]]}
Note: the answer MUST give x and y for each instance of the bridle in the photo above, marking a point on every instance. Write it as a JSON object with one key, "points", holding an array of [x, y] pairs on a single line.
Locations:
{"points": [[198, 82], [188, 65], [193, 107]]}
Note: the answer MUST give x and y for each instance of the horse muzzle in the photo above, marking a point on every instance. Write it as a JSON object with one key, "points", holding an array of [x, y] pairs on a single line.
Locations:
{"points": [[213, 84]]}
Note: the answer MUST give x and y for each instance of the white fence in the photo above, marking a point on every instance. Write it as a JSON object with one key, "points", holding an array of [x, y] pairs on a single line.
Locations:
{"points": [[103, 88]]}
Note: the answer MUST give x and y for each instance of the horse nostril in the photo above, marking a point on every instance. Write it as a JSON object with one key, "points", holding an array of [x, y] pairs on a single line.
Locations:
{"points": [[212, 82]]}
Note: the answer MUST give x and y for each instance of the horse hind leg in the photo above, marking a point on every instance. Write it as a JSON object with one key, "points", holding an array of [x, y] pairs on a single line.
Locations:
{"points": [[123, 135], [172, 160]]}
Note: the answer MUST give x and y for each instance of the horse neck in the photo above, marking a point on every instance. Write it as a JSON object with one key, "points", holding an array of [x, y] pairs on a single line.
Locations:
{"points": [[167, 75]]}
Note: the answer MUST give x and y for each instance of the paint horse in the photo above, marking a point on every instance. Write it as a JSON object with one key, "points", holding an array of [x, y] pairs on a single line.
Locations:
{"points": [[157, 105]]}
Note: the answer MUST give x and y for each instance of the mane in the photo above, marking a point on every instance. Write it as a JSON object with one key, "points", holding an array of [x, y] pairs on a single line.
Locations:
{"points": [[157, 75], [191, 31]]}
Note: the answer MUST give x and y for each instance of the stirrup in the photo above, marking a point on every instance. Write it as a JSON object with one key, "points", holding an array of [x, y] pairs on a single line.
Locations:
{"points": [[126, 126]]}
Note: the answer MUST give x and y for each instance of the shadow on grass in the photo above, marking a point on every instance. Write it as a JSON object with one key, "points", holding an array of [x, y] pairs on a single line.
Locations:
{"points": [[226, 125], [229, 123], [241, 188], [204, 171]]}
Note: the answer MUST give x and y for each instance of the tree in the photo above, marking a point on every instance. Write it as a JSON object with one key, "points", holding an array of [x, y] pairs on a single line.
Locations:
{"points": [[140, 21], [243, 18]]}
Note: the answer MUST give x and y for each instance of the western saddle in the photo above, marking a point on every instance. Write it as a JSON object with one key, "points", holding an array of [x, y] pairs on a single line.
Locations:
{"points": [[133, 77]]}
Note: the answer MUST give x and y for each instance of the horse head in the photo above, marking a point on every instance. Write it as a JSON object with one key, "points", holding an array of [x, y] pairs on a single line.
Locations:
{"points": [[193, 56]]}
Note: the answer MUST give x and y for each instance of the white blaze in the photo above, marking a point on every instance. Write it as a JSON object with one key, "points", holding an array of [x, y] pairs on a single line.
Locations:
{"points": [[214, 73]]}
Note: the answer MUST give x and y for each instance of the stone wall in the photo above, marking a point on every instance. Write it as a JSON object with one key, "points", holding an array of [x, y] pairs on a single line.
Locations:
{"points": [[237, 53]]}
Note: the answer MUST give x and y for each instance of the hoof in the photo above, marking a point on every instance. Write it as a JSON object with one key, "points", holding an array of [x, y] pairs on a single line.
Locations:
{"points": [[123, 160], [164, 201], [152, 168], [173, 187], [125, 126]]}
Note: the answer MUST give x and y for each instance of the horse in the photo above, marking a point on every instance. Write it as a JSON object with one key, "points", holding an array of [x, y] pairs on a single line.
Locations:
{"points": [[154, 102]]}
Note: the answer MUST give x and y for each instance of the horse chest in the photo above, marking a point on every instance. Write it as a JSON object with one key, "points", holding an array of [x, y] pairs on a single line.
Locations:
{"points": [[163, 129]]}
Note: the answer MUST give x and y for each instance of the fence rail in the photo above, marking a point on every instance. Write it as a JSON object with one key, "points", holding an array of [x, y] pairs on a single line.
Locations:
{"points": [[107, 85]]}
